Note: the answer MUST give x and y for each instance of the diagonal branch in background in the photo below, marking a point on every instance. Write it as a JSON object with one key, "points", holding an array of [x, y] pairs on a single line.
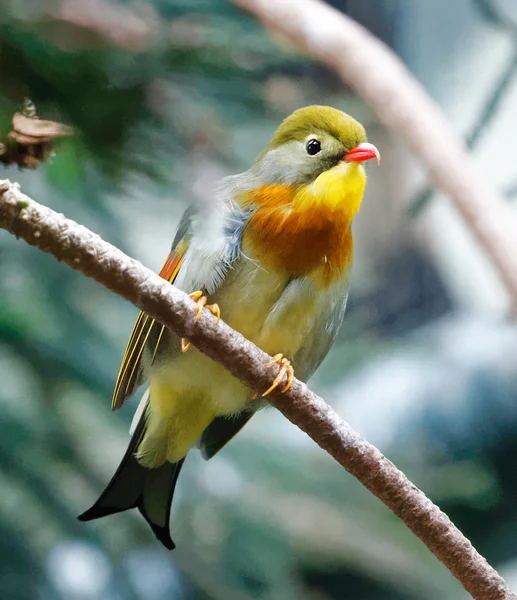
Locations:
{"points": [[495, 16], [481, 124], [369, 67], [88, 253]]}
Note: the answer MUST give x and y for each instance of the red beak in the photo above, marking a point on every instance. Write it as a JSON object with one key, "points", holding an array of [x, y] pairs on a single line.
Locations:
{"points": [[363, 152]]}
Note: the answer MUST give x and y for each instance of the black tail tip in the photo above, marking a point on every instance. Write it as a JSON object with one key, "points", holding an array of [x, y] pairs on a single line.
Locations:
{"points": [[97, 512], [164, 537], [161, 532]]}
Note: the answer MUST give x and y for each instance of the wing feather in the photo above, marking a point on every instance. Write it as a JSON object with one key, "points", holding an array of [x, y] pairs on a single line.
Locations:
{"points": [[201, 261], [146, 330]]}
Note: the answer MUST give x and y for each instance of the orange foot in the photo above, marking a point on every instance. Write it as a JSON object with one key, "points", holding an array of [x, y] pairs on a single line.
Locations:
{"points": [[285, 369], [201, 302]]}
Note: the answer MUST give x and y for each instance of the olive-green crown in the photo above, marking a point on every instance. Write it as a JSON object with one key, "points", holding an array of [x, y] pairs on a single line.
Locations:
{"points": [[319, 119]]}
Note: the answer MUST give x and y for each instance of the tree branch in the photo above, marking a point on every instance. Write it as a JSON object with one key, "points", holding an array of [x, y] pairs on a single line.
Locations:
{"points": [[88, 253], [400, 103], [482, 123]]}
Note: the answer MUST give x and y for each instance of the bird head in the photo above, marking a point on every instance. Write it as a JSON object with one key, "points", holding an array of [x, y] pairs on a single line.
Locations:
{"points": [[313, 165], [304, 190], [312, 141]]}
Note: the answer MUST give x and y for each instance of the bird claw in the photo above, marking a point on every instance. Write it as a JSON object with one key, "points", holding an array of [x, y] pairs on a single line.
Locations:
{"points": [[201, 302], [285, 369]]}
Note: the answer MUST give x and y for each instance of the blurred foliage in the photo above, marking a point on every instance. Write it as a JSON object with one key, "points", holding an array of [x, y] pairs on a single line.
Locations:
{"points": [[159, 93]]}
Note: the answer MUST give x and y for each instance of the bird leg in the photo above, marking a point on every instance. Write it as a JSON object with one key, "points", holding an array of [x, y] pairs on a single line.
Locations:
{"points": [[201, 302], [285, 368]]}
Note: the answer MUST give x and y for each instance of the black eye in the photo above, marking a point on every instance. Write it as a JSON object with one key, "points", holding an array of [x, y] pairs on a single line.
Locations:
{"points": [[313, 147]]}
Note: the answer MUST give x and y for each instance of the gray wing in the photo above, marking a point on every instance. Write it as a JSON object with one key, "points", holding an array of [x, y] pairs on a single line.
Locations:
{"points": [[322, 331]]}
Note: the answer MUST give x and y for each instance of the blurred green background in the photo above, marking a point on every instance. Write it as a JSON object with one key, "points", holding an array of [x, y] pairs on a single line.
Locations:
{"points": [[167, 96]]}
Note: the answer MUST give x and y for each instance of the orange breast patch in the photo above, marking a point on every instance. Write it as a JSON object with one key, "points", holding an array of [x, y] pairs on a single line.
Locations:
{"points": [[300, 238]]}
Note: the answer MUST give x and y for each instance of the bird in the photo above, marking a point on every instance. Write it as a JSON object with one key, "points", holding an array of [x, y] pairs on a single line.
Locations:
{"points": [[271, 251]]}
